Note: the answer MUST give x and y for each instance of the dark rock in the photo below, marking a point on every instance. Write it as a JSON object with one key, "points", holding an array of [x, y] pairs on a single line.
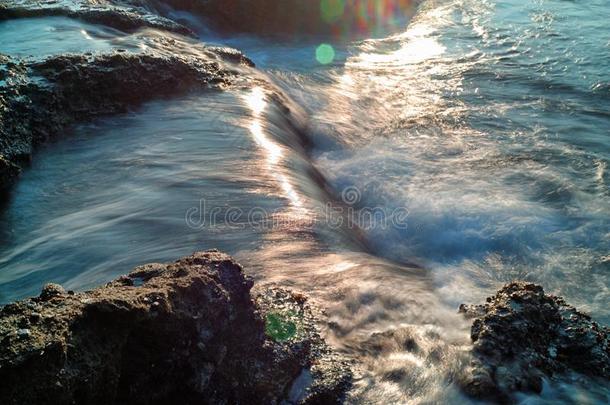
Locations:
{"points": [[123, 15], [291, 327], [190, 333], [9, 171], [50, 291], [41, 99], [522, 335]]}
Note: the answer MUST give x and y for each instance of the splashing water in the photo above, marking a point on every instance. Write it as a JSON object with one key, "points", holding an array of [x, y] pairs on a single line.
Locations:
{"points": [[484, 120]]}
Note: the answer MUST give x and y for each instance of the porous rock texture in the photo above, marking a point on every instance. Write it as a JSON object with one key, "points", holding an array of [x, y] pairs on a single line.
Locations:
{"points": [[185, 332], [522, 335]]}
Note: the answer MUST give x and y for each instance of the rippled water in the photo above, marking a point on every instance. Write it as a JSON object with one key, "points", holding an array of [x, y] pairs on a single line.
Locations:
{"points": [[487, 121]]}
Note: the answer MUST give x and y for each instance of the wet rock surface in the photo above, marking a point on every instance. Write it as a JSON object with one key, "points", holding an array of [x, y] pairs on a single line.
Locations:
{"points": [[522, 335], [123, 15], [41, 99], [265, 17], [186, 332]]}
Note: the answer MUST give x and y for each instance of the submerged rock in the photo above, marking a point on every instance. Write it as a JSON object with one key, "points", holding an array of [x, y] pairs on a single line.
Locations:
{"points": [[522, 335], [186, 332], [40, 99]]}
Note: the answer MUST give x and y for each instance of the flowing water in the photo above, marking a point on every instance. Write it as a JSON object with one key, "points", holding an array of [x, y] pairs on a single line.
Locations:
{"points": [[419, 170]]}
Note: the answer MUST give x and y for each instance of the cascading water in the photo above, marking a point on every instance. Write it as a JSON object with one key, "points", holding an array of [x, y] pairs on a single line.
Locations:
{"points": [[417, 171]]}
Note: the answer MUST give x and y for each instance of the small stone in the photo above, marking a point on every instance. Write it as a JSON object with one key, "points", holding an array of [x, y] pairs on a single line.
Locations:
{"points": [[51, 290], [24, 323], [35, 317], [23, 333], [125, 280]]}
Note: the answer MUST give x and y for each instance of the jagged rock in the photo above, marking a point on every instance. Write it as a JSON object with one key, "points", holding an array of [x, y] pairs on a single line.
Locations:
{"points": [[522, 335], [289, 321], [50, 291], [186, 332], [40, 99], [123, 15]]}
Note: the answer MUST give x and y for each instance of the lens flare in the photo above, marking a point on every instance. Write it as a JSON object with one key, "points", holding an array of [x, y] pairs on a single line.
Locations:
{"points": [[332, 10], [365, 16], [325, 54]]}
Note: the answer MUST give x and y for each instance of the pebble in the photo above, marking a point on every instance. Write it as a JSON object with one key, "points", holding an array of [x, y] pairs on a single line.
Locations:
{"points": [[23, 333]]}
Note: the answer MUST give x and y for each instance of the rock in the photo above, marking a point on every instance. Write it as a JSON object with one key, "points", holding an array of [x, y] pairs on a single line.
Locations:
{"points": [[23, 333], [50, 291], [186, 332], [522, 335], [123, 15], [41, 99], [289, 323]]}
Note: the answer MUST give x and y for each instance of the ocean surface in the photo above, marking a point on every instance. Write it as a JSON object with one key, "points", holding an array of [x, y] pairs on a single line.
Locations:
{"points": [[390, 177]]}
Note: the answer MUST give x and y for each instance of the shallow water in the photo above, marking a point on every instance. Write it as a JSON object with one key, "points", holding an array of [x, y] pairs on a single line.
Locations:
{"points": [[478, 137]]}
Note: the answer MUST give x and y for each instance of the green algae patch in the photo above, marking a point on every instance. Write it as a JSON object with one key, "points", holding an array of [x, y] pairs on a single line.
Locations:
{"points": [[280, 327]]}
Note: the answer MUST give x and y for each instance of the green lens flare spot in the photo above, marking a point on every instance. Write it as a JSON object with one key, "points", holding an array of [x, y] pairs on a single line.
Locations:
{"points": [[331, 10], [325, 54], [279, 328]]}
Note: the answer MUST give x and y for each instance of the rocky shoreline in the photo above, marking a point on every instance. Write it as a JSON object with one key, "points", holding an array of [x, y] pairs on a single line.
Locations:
{"points": [[40, 100], [190, 331], [126, 15], [194, 331]]}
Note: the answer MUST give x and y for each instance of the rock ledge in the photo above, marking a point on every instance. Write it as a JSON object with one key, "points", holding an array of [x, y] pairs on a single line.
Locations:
{"points": [[186, 332]]}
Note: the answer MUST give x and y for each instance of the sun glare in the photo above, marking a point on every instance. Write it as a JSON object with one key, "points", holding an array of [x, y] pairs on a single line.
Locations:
{"points": [[272, 150]]}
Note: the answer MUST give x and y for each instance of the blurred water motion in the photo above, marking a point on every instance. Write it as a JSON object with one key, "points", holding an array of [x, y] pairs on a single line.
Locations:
{"points": [[485, 119]]}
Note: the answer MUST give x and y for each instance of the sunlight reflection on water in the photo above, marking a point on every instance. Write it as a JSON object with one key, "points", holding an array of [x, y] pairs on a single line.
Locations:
{"points": [[470, 118]]}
